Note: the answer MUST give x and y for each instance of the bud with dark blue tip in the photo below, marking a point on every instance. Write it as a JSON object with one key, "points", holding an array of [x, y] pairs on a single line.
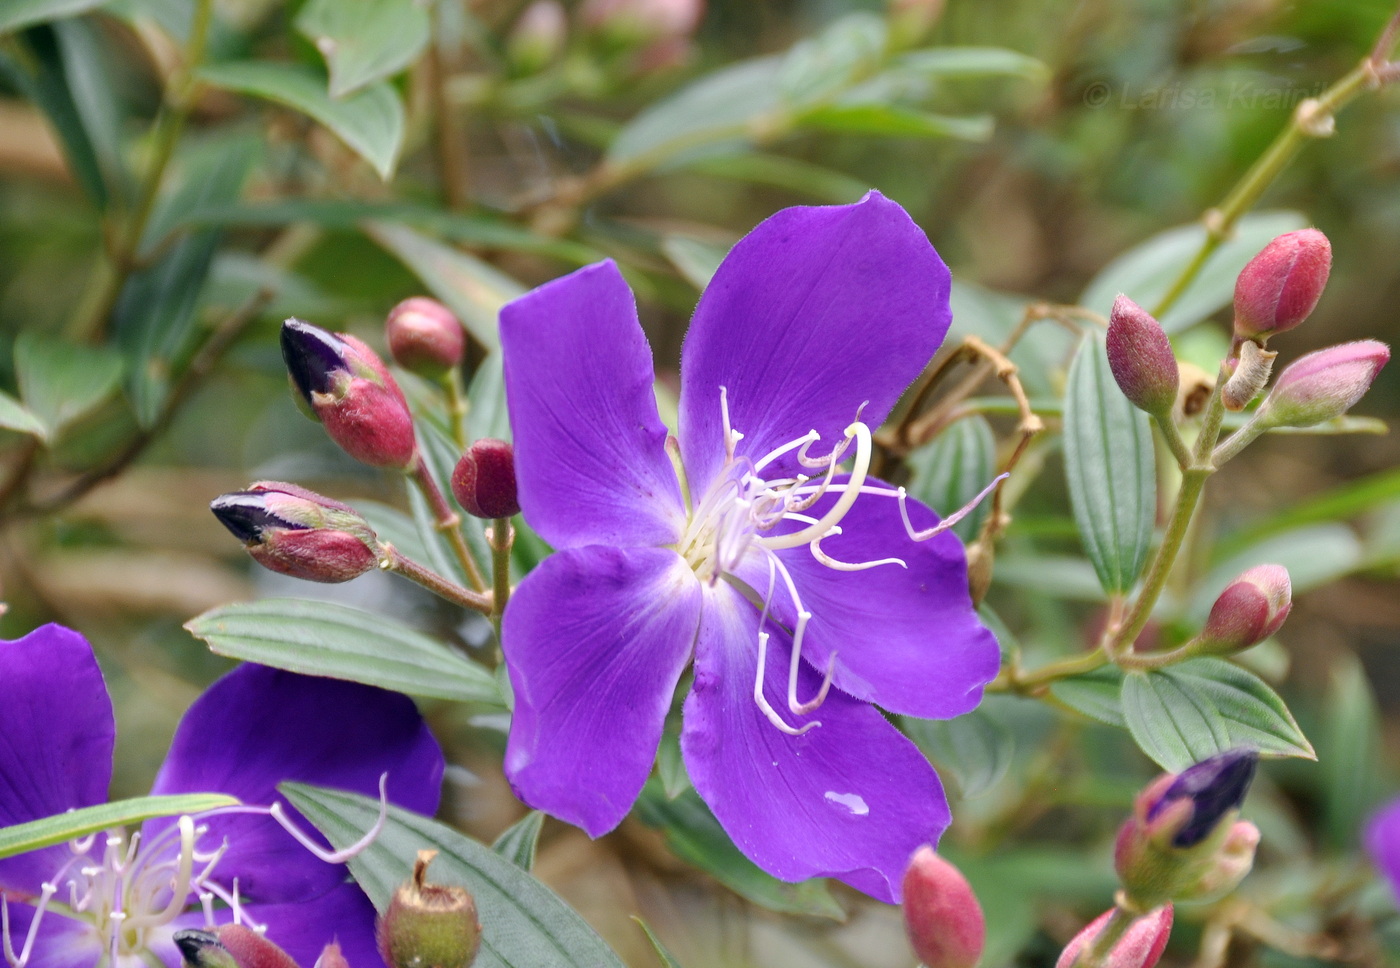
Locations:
{"points": [[297, 532]]}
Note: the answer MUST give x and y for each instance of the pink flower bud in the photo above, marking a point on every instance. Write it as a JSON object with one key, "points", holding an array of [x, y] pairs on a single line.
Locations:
{"points": [[230, 946], [351, 392], [1248, 611], [1281, 285], [538, 37], [424, 337], [1141, 358], [941, 914], [1322, 385], [483, 481], [331, 957], [293, 531], [639, 21], [1140, 947]]}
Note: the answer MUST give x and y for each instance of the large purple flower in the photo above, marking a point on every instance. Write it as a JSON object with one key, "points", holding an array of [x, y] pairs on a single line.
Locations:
{"points": [[117, 900], [1383, 843], [798, 590]]}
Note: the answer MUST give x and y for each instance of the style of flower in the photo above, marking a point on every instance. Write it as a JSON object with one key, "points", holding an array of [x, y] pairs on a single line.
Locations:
{"points": [[800, 591], [116, 899]]}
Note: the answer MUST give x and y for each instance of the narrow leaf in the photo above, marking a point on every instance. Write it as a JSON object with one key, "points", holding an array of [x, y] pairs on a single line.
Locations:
{"points": [[523, 923], [895, 121], [364, 41], [15, 14], [326, 639], [1109, 466], [520, 840], [668, 960], [962, 62], [35, 834], [694, 259]]}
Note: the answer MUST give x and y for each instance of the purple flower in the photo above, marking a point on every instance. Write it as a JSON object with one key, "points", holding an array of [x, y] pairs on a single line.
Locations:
{"points": [[1383, 843], [251, 730], [805, 338]]}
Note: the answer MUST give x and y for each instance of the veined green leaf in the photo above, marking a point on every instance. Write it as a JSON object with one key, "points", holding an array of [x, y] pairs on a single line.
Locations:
{"points": [[1096, 694], [895, 121], [976, 748], [365, 40], [62, 827], [17, 14], [60, 382], [519, 841]]}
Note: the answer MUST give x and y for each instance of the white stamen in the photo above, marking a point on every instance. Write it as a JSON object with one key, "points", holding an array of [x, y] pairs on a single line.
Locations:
{"points": [[951, 519], [338, 856], [849, 493]]}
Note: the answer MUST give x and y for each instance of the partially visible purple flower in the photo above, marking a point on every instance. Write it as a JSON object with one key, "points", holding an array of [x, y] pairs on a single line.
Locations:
{"points": [[760, 564], [1383, 843], [251, 730]]}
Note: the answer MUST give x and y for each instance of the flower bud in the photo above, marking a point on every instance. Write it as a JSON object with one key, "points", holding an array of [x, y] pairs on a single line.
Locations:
{"points": [[1248, 611], [1181, 842], [941, 914], [1322, 385], [483, 481], [429, 925], [1281, 285], [230, 946], [538, 37], [331, 957], [1140, 947], [1251, 374], [424, 337], [1141, 358], [634, 22], [350, 391], [293, 531]]}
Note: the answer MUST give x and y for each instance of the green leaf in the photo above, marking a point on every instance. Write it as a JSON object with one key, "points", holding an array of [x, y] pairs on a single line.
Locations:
{"points": [[952, 468], [696, 837], [326, 639], [1355, 778], [370, 122], [1147, 271], [60, 382], [1096, 694], [976, 748], [694, 259], [1314, 556], [15, 14], [963, 62], [365, 40], [35, 834], [895, 121], [13, 416], [520, 840], [523, 923], [474, 290], [1109, 464], [486, 401], [668, 960], [780, 171], [847, 51], [1339, 504], [670, 764], [394, 527], [1184, 713], [90, 80]]}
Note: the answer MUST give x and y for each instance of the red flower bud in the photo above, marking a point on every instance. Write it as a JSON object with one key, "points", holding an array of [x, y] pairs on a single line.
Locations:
{"points": [[1322, 385], [1281, 285], [293, 531], [941, 914], [429, 925], [1248, 611], [538, 37], [424, 337], [1140, 947], [1141, 358], [483, 481], [350, 391], [637, 21], [230, 946]]}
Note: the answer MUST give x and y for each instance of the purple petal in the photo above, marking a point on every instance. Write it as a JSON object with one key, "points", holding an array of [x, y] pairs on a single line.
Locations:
{"points": [[61, 942], [595, 639], [813, 313], [851, 798], [56, 734], [590, 453], [1383, 843], [257, 727], [907, 639]]}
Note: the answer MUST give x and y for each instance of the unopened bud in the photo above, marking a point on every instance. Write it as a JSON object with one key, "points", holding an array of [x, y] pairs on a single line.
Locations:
{"points": [[641, 21], [424, 337], [1251, 374], [351, 392], [483, 481], [1173, 847], [1249, 610], [1280, 286], [1139, 947], [297, 532], [1322, 385], [230, 946], [331, 957], [941, 914], [538, 37], [1141, 358], [429, 925]]}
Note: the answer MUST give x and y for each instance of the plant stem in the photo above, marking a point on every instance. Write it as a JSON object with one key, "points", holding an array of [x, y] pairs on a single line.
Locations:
{"points": [[1032, 683], [501, 536], [392, 560], [447, 521], [1173, 438], [456, 407]]}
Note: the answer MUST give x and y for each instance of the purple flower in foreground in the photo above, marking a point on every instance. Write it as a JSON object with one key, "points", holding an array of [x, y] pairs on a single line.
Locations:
{"points": [[251, 730], [1383, 843], [798, 590]]}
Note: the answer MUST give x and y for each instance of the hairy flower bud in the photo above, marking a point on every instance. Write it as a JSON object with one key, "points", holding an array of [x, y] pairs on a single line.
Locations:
{"points": [[1141, 358], [538, 37], [483, 481], [429, 925], [351, 392], [941, 914], [1322, 385], [1139, 947], [1248, 611], [331, 957], [230, 946], [293, 531], [424, 337], [1280, 286], [641, 21], [1251, 374], [1174, 847]]}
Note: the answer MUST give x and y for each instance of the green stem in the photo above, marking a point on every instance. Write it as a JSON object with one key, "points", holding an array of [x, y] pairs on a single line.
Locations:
{"points": [[456, 407], [501, 537], [1239, 440], [1030, 683], [447, 521], [1172, 436], [392, 560]]}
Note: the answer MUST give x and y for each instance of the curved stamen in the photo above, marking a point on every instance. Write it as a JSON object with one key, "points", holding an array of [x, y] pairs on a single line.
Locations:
{"points": [[46, 891], [338, 856], [805, 441], [798, 635], [179, 884], [762, 700], [951, 519], [849, 492], [836, 565]]}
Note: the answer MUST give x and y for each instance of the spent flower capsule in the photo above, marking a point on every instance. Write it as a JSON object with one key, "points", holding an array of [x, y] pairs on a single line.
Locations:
{"points": [[429, 925]]}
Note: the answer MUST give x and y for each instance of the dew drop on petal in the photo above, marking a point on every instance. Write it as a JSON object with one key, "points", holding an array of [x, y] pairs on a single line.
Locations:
{"points": [[853, 802]]}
